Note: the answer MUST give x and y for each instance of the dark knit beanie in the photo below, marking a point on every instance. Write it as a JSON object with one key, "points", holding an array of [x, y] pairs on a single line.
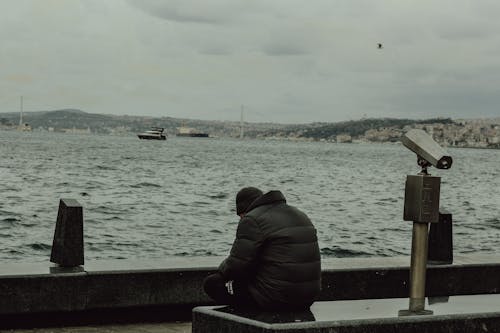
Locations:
{"points": [[245, 197]]}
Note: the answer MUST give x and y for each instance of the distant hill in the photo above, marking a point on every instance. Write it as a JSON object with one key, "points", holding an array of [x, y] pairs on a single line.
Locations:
{"points": [[462, 133], [61, 120], [356, 128], [101, 123]]}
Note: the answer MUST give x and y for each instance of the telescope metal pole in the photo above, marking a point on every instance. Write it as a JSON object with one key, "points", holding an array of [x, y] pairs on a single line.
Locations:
{"points": [[418, 267]]}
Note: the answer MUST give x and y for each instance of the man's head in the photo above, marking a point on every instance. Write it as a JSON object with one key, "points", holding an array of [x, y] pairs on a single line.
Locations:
{"points": [[245, 197]]}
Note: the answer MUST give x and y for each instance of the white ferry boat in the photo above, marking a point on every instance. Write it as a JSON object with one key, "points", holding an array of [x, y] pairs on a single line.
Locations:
{"points": [[155, 133]]}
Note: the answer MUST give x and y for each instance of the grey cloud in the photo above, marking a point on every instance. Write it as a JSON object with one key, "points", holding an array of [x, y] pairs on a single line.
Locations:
{"points": [[466, 30], [182, 57], [290, 38], [454, 102], [183, 11], [214, 50], [283, 49]]}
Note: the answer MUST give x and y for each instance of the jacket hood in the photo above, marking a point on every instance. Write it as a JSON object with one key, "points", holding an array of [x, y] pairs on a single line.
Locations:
{"points": [[271, 197]]}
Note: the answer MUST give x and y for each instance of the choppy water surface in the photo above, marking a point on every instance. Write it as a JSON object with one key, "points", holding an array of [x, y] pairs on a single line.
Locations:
{"points": [[148, 199]]}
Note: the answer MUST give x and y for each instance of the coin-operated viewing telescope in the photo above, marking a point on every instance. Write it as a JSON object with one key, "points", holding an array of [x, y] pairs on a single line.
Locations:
{"points": [[422, 207], [427, 150]]}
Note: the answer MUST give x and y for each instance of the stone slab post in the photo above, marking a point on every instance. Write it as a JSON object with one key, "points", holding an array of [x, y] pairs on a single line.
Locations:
{"points": [[67, 247], [441, 240]]}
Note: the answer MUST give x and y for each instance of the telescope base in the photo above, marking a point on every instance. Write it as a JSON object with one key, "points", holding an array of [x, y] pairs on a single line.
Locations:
{"points": [[405, 313]]}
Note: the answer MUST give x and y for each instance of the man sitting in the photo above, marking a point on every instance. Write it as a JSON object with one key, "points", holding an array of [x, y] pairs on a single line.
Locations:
{"points": [[274, 262]]}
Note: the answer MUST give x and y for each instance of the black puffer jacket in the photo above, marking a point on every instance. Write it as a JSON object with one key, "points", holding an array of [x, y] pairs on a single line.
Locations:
{"points": [[276, 251]]}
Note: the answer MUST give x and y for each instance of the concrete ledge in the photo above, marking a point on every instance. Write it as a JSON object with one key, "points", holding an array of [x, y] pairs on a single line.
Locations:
{"points": [[456, 314], [92, 290], [176, 283], [148, 314]]}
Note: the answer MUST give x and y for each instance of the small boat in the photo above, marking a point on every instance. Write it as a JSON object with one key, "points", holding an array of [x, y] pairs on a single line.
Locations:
{"points": [[155, 133]]}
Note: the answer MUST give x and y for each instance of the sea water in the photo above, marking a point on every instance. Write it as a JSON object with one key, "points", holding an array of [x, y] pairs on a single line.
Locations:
{"points": [[152, 199]]}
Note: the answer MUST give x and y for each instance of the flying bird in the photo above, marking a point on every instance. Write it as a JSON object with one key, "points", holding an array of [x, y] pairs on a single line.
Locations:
{"points": [[380, 46]]}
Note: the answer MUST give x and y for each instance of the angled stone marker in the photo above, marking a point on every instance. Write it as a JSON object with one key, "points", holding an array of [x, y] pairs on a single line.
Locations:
{"points": [[441, 240], [67, 247]]}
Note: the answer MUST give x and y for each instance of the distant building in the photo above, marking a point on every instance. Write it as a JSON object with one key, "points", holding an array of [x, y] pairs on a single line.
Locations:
{"points": [[76, 130], [343, 138], [24, 128]]}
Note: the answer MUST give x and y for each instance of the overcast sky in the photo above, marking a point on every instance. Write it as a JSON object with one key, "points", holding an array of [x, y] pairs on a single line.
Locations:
{"points": [[289, 61]]}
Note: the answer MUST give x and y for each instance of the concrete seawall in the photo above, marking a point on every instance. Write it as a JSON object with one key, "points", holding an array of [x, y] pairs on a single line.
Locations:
{"points": [[159, 290]]}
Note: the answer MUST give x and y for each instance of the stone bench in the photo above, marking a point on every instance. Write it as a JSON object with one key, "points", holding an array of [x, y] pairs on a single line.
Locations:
{"points": [[476, 313]]}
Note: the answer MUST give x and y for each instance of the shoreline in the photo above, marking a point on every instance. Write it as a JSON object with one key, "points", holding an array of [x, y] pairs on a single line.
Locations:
{"points": [[279, 139]]}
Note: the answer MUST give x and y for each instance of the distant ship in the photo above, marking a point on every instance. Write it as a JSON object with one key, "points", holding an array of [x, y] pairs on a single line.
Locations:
{"points": [[190, 132], [155, 133]]}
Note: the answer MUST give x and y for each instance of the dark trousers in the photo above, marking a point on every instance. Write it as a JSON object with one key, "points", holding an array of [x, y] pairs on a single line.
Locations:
{"points": [[215, 287]]}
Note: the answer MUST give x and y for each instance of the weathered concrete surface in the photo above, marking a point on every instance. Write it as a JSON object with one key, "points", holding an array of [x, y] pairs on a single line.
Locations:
{"points": [[168, 289], [181, 327], [476, 313]]}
